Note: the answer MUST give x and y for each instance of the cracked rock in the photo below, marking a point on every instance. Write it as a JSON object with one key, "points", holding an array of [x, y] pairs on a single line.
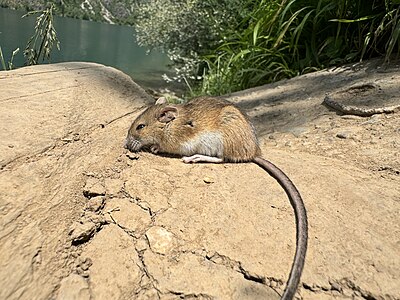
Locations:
{"points": [[190, 274], [127, 215], [82, 232], [161, 240], [149, 294], [73, 287], [150, 192], [113, 186], [95, 203], [115, 270], [93, 188]]}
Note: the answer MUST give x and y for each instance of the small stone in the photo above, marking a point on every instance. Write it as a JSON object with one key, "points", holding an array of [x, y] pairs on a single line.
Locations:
{"points": [[208, 180], [85, 264], [82, 232], [161, 240], [85, 274], [93, 188], [141, 244], [347, 293], [273, 284], [343, 135], [95, 203], [95, 218], [132, 156], [335, 286], [373, 119]]}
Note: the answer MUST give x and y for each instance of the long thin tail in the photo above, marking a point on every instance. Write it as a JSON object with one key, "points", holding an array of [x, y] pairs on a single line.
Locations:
{"points": [[301, 224]]}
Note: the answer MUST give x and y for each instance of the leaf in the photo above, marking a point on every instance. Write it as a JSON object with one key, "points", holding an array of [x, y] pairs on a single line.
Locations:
{"points": [[353, 21], [255, 32]]}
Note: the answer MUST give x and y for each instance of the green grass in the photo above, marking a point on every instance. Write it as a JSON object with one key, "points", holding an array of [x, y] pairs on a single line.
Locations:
{"points": [[282, 39], [10, 63]]}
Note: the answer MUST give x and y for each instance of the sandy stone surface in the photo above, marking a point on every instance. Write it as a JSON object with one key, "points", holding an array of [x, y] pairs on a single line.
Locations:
{"points": [[80, 218]]}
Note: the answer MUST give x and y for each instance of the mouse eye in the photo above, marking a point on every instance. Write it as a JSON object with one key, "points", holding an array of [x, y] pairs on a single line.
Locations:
{"points": [[140, 126]]}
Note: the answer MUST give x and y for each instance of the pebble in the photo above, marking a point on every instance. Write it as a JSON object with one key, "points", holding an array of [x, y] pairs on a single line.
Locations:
{"points": [[335, 286], [343, 135], [141, 244], [93, 188], [372, 120], [95, 203], [85, 263], [82, 232], [208, 180], [161, 240], [132, 156]]}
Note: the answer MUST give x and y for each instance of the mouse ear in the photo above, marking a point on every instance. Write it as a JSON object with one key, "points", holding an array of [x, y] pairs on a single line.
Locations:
{"points": [[167, 114], [161, 100]]}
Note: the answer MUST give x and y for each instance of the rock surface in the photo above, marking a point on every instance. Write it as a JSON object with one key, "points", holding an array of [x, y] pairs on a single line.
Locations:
{"points": [[80, 219]]}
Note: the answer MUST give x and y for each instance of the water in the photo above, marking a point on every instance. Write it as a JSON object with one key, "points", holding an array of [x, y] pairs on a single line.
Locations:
{"points": [[81, 40]]}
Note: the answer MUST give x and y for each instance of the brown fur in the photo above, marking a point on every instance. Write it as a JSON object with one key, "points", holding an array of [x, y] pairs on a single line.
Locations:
{"points": [[198, 116]]}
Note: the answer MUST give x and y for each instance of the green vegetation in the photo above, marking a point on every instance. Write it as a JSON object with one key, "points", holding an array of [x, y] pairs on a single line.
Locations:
{"points": [[235, 45], [41, 43], [186, 29], [110, 11], [10, 62]]}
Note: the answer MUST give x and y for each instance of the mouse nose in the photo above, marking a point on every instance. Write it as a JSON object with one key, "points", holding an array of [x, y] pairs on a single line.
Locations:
{"points": [[132, 144]]}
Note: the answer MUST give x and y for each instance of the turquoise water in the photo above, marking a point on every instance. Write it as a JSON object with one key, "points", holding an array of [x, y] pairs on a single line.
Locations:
{"points": [[81, 40]]}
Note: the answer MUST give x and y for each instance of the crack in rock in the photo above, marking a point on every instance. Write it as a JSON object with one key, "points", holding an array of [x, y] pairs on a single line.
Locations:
{"points": [[135, 200], [93, 188], [147, 280], [192, 296], [347, 288], [235, 265]]}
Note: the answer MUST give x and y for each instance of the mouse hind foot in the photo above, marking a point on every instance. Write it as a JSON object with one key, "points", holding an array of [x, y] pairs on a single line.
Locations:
{"points": [[201, 158]]}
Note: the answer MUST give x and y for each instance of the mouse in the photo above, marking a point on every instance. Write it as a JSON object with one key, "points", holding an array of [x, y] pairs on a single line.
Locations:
{"points": [[214, 130]]}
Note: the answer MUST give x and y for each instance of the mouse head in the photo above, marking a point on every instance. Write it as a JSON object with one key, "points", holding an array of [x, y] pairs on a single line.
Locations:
{"points": [[147, 130]]}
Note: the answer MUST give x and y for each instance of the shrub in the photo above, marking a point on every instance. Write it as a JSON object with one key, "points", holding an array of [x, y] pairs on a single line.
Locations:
{"points": [[185, 29], [235, 45], [281, 39]]}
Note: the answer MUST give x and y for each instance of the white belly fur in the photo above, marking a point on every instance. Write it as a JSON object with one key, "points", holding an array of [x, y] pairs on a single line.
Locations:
{"points": [[210, 144]]}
